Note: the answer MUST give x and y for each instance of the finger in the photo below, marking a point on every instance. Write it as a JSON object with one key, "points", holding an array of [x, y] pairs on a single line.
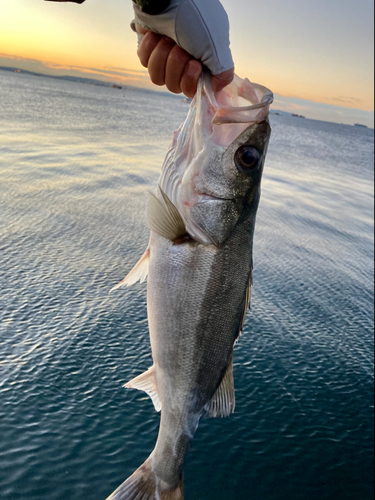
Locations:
{"points": [[158, 60], [140, 30], [177, 60], [190, 78], [221, 81], [147, 46]]}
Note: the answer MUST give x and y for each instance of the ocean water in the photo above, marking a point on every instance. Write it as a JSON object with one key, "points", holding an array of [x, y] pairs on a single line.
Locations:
{"points": [[76, 163]]}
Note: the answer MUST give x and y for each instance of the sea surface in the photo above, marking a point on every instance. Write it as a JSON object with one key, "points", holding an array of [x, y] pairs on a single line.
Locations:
{"points": [[76, 164]]}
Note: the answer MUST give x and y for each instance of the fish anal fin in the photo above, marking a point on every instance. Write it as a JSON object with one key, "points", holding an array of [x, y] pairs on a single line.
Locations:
{"points": [[138, 273], [164, 218], [147, 383], [223, 402]]}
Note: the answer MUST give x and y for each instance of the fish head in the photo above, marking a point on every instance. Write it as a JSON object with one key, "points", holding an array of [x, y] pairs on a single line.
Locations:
{"points": [[214, 168], [228, 186]]}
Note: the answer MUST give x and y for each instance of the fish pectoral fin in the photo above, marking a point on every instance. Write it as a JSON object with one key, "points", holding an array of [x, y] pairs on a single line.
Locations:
{"points": [[147, 383], [223, 402], [164, 218], [138, 273]]}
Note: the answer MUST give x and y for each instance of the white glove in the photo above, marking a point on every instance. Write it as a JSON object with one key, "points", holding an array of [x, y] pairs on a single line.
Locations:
{"points": [[201, 27]]}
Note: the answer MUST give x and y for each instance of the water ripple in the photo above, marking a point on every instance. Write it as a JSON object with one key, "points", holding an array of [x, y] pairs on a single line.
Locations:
{"points": [[72, 201]]}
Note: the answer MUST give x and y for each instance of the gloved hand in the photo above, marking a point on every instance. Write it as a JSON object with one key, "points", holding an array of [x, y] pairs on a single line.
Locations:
{"points": [[178, 41]]}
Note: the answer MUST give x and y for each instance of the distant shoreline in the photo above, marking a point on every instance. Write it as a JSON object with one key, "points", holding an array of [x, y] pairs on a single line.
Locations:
{"points": [[116, 85], [90, 81]]}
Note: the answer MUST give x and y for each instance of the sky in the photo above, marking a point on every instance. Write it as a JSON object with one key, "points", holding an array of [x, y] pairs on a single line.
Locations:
{"points": [[317, 57]]}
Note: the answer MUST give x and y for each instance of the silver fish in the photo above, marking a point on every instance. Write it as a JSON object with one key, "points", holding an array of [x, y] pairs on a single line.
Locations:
{"points": [[199, 264]]}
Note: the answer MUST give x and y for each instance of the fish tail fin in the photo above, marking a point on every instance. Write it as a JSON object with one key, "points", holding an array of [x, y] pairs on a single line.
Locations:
{"points": [[143, 485]]}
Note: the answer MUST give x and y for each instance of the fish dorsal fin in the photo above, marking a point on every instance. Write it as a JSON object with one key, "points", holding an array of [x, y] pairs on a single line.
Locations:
{"points": [[138, 273], [164, 218], [224, 401], [247, 305], [147, 383]]}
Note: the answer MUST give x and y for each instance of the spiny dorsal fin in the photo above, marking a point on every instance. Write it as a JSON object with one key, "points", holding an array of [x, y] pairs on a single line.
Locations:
{"points": [[138, 273], [147, 383], [164, 218], [224, 401]]}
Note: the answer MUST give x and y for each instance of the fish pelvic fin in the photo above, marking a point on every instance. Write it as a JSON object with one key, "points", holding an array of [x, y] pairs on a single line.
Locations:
{"points": [[143, 485], [164, 218], [223, 402], [138, 273], [147, 383]]}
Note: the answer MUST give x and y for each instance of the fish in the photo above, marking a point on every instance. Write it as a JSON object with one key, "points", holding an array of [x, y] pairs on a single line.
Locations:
{"points": [[199, 271]]}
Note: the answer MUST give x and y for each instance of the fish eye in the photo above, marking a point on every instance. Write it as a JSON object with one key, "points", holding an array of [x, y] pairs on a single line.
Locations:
{"points": [[247, 159]]}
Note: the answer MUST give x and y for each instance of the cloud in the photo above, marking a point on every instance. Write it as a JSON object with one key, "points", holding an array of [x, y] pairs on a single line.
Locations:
{"points": [[347, 100]]}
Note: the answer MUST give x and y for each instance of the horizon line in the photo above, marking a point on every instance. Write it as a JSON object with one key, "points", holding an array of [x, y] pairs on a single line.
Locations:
{"points": [[140, 79]]}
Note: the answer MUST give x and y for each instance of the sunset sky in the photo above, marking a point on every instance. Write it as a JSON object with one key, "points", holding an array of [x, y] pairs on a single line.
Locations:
{"points": [[316, 56]]}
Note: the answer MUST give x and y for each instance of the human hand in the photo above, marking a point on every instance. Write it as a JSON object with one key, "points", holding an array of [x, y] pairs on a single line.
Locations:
{"points": [[176, 44], [168, 64]]}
